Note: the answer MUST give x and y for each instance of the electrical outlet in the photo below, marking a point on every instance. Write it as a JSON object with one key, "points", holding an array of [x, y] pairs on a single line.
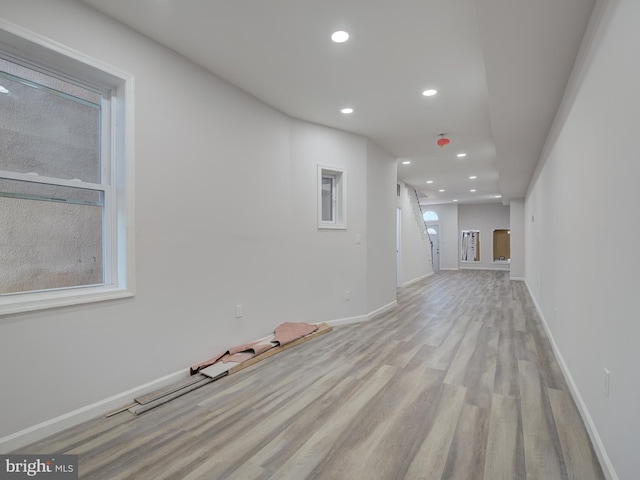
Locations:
{"points": [[347, 294], [238, 311], [607, 382]]}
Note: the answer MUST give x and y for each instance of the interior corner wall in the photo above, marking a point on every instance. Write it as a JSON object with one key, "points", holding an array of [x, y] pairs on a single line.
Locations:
{"points": [[415, 249], [486, 218], [226, 215], [448, 221], [516, 224], [581, 226], [380, 238]]}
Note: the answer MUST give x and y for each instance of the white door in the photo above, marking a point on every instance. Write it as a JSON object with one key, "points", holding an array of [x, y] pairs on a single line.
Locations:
{"points": [[398, 247], [434, 233]]}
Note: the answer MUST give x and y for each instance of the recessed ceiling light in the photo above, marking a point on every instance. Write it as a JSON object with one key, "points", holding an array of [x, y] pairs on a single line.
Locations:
{"points": [[406, 162], [441, 190], [497, 196], [3, 90], [429, 93], [429, 181], [472, 190], [460, 155], [347, 110], [455, 199], [472, 177], [340, 36]]}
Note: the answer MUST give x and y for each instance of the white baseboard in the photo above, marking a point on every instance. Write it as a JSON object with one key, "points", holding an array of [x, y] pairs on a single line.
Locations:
{"points": [[383, 309], [518, 279], [449, 269], [362, 318], [415, 280], [598, 446], [493, 268], [32, 434]]}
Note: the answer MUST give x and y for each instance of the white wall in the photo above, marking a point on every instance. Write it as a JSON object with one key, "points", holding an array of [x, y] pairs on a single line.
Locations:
{"points": [[516, 219], [449, 242], [415, 248], [581, 226], [486, 218], [380, 237], [326, 263], [205, 152]]}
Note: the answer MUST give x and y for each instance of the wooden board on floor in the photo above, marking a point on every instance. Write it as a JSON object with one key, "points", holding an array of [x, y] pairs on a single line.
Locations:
{"points": [[322, 329]]}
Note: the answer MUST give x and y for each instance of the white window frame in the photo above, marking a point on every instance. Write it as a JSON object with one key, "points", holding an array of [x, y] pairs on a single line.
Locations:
{"points": [[117, 183], [339, 200]]}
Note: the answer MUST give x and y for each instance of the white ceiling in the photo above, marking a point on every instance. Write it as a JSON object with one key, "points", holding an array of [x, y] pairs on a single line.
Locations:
{"points": [[500, 67]]}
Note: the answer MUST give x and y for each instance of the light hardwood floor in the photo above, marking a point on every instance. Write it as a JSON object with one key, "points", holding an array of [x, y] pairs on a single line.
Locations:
{"points": [[458, 382]]}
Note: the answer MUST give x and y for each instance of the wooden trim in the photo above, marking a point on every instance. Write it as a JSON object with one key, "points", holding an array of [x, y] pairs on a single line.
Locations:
{"points": [[323, 328]]}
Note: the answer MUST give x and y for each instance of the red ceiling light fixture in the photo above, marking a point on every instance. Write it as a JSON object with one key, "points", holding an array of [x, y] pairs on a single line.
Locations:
{"points": [[442, 141]]}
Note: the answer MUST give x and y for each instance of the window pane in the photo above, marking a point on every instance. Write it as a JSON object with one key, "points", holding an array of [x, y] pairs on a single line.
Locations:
{"points": [[430, 216], [327, 198], [51, 237], [47, 130]]}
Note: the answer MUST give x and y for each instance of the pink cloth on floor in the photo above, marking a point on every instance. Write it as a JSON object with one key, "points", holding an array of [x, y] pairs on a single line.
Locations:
{"points": [[207, 363], [288, 332], [284, 333], [244, 352], [239, 356]]}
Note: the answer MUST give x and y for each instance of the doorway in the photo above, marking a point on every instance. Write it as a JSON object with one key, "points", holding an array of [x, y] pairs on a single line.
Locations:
{"points": [[502, 245], [434, 234], [398, 247]]}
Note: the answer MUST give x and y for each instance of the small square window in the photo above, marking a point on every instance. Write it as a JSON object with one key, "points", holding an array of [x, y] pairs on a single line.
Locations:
{"points": [[332, 183]]}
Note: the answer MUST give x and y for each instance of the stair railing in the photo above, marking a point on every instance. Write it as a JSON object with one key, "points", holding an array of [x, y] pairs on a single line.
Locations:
{"points": [[426, 227]]}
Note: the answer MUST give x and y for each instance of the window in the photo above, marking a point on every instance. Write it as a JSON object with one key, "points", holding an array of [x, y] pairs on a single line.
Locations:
{"points": [[430, 216], [64, 183], [332, 197]]}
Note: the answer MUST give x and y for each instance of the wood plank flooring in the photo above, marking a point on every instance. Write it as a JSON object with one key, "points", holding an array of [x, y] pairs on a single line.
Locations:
{"points": [[457, 382]]}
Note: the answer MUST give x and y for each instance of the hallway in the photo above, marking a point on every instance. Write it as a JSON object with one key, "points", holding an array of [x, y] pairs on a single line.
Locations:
{"points": [[457, 382]]}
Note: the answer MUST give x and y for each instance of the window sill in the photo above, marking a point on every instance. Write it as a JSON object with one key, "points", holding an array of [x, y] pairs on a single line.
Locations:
{"points": [[27, 302], [332, 227]]}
